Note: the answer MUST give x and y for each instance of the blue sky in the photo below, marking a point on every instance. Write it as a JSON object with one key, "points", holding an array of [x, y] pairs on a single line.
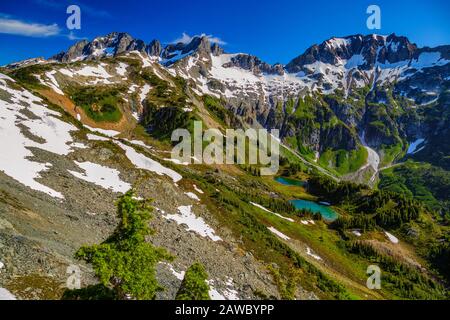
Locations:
{"points": [[275, 31]]}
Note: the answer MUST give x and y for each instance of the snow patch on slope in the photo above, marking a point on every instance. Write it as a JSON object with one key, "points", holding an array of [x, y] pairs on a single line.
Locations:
{"points": [[104, 177], [267, 210], [143, 162], [6, 295], [193, 223], [42, 123], [278, 233]]}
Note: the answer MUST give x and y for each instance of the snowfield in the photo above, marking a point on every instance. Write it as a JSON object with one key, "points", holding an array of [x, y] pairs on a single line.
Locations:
{"points": [[143, 162], [22, 115], [102, 176], [109, 133], [144, 92], [227, 294], [373, 158], [193, 223]]}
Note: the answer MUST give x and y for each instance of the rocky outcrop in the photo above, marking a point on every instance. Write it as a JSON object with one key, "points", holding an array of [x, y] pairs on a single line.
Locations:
{"points": [[74, 52], [112, 44], [372, 48], [154, 48], [254, 64]]}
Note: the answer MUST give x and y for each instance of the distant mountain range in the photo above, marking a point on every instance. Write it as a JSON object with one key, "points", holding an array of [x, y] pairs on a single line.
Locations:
{"points": [[86, 125], [343, 95]]}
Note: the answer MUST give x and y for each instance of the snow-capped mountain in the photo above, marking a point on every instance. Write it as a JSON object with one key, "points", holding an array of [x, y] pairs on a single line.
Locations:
{"points": [[341, 78], [85, 125], [338, 63]]}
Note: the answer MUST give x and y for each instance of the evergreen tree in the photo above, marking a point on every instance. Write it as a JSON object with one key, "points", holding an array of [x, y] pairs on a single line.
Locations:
{"points": [[194, 285], [125, 262]]}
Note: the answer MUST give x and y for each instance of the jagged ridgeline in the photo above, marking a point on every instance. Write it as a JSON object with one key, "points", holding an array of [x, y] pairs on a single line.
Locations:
{"points": [[364, 130], [343, 104]]}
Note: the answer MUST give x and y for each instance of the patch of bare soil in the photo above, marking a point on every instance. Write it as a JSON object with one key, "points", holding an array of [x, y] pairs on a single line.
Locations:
{"points": [[125, 123]]}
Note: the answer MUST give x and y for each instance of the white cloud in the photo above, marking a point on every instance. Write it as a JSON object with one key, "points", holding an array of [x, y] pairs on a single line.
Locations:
{"points": [[185, 38], [18, 27]]}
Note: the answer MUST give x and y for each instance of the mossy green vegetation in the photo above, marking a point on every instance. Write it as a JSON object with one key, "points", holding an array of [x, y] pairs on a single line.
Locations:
{"points": [[26, 76], [220, 113], [343, 161], [423, 181], [194, 285], [377, 210], [399, 278], [165, 106], [101, 104]]}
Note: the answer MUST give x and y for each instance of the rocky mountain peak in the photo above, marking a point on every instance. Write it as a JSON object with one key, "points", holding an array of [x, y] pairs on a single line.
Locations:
{"points": [[200, 45], [254, 64], [112, 44], [216, 50], [372, 49], [154, 48]]}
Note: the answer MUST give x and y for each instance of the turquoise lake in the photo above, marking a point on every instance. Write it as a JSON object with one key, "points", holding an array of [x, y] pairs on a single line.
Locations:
{"points": [[325, 211], [290, 182]]}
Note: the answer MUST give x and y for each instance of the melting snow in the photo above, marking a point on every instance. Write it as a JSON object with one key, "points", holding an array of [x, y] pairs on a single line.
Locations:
{"points": [[6, 295], [143, 162], [90, 71], [428, 59], [178, 275], [4, 76], [197, 189], [96, 137], [267, 210], [311, 253], [391, 237], [193, 223], [53, 83], [192, 196], [55, 133], [373, 159], [109, 133], [227, 294], [139, 143], [356, 233], [355, 61], [121, 69], [278, 233], [144, 91], [105, 177], [176, 161]]}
